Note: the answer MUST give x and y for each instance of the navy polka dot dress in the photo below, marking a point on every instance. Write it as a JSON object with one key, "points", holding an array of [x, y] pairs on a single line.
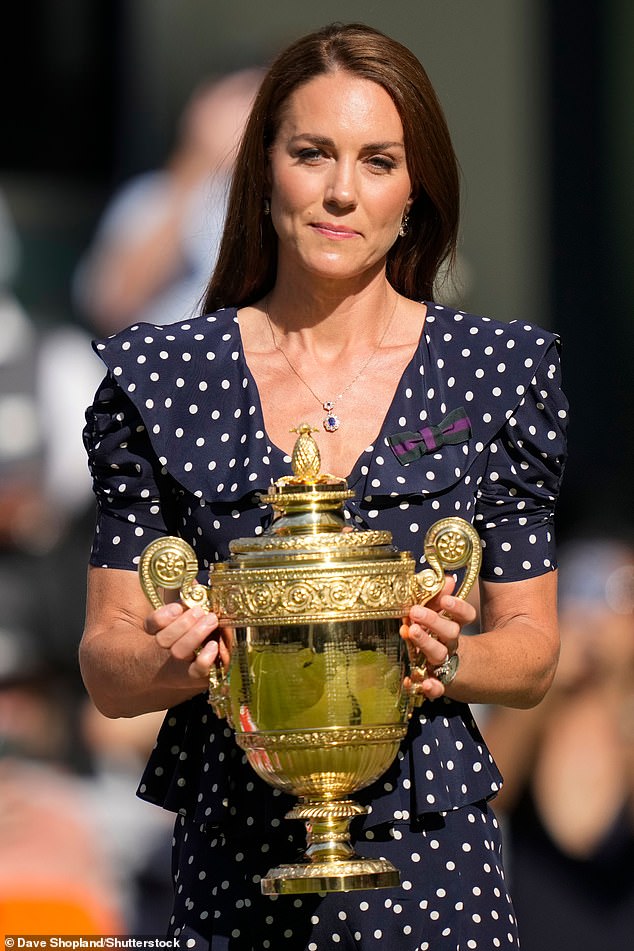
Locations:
{"points": [[177, 445]]}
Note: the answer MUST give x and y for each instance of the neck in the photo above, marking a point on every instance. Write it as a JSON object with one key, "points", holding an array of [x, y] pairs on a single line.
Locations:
{"points": [[335, 310], [331, 421]]}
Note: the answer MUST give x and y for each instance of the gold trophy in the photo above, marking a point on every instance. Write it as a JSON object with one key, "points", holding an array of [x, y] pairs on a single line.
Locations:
{"points": [[319, 689]]}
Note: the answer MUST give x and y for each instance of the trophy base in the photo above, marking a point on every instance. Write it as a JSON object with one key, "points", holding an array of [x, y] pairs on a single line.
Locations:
{"points": [[335, 876]]}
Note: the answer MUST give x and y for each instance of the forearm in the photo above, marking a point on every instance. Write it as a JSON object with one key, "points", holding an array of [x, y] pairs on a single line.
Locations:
{"points": [[126, 670], [125, 277], [513, 666], [126, 673]]}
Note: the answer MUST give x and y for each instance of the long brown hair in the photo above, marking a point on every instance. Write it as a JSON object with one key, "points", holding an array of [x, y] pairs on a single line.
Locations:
{"points": [[247, 261]]}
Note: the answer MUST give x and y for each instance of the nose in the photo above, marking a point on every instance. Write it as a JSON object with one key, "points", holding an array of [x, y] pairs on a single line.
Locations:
{"points": [[341, 188]]}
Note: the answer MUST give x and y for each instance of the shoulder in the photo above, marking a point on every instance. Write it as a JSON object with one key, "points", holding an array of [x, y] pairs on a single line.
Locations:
{"points": [[488, 359], [187, 387], [145, 343], [451, 326]]}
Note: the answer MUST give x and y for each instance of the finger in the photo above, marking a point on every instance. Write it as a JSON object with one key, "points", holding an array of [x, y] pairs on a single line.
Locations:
{"points": [[225, 644], [204, 659], [431, 650], [449, 608], [162, 617], [195, 637], [168, 631], [427, 688], [458, 609], [179, 626], [444, 629]]}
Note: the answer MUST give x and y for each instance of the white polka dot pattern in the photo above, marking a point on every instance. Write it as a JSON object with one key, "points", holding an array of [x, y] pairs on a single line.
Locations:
{"points": [[177, 444], [452, 894], [206, 432], [161, 468]]}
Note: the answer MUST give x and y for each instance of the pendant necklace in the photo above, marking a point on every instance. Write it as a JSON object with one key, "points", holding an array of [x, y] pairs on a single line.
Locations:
{"points": [[331, 422]]}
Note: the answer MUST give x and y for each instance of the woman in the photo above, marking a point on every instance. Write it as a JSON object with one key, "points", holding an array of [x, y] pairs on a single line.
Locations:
{"points": [[343, 207]]}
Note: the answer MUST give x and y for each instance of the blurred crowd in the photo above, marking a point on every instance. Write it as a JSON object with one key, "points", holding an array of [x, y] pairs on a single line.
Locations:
{"points": [[568, 798], [78, 852]]}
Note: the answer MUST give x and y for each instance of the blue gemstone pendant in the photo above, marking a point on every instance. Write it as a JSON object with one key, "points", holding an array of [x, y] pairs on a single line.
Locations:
{"points": [[331, 422]]}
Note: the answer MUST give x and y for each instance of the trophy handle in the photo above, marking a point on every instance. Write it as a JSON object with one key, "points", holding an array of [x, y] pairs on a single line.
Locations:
{"points": [[450, 543], [171, 563]]}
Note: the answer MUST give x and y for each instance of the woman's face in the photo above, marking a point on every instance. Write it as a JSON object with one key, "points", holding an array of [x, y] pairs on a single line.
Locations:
{"points": [[338, 177]]}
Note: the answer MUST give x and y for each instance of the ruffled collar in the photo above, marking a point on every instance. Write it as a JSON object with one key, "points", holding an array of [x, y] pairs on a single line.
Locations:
{"points": [[192, 377]]}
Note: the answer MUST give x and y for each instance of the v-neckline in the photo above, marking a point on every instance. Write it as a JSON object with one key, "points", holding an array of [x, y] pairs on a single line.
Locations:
{"points": [[353, 475]]}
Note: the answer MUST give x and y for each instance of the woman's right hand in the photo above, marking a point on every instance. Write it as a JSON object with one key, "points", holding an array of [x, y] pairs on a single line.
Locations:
{"points": [[190, 635]]}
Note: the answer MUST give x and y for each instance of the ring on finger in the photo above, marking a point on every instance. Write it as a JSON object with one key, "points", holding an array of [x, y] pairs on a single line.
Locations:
{"points": [[446, 671]]}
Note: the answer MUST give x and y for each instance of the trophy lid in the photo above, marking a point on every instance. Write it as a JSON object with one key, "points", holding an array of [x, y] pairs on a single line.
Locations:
{"points": [[308, 510]]}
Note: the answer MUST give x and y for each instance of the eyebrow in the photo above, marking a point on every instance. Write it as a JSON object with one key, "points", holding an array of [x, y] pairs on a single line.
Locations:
{"points": [[325, 140]]}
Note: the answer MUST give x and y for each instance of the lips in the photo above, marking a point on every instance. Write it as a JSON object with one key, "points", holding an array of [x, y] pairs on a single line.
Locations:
{"points": [[332, 230]]}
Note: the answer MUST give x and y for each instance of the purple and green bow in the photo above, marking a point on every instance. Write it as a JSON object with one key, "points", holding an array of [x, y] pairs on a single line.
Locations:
{"points": [[408, 446]]}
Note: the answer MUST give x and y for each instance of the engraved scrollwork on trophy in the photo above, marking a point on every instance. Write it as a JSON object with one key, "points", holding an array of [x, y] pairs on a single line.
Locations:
{"points": [[340, 594], [375, 591], [453, 543], [299, 597], [312, 593], [234, 603], [263, 543], [314, 738], [263, 599]]}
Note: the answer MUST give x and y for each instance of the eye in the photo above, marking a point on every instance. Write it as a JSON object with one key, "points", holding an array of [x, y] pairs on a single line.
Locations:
{"points": [[309, 155], [381, 163]]}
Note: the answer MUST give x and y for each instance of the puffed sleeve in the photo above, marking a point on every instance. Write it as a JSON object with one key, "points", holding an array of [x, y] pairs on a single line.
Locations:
{"points": [[517, 496], [126, 480]]}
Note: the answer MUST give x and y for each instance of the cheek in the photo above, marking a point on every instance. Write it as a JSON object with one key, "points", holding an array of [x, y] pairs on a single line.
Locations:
{"points": [[389, 209], [388, 221], [285, 211], [291, 193]]}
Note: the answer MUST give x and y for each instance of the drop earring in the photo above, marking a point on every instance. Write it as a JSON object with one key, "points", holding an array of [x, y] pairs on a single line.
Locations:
{"points": [[267, 206], [404, 229]]}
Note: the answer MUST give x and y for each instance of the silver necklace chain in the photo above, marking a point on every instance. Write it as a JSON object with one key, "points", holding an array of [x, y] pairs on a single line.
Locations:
{"points": [[331, 421]]}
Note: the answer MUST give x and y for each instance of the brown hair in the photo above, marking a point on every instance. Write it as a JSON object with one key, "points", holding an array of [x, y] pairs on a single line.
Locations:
{"points": [[247, 261]]}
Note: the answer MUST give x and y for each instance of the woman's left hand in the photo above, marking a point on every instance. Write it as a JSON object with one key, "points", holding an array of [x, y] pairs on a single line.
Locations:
{"points": [[433, 633]]}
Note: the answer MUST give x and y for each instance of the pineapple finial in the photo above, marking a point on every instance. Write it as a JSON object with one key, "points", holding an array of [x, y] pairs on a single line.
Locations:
{"points": [[305, 461]]}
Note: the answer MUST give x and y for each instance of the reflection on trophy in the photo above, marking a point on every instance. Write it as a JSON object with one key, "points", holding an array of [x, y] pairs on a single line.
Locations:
{"points": [[319, 690]]}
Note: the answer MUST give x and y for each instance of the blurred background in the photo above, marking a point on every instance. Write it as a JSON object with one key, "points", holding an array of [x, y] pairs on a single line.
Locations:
{"points": [[104, 103]]}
